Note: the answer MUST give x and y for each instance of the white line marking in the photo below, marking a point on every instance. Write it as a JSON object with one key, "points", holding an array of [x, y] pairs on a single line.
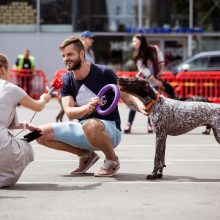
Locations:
{"points": [[185, 181], [131, 160], [76, 160], [152, 145], [169, 145]]}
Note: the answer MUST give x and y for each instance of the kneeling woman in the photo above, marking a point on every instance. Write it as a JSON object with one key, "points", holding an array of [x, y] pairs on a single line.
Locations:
{"points": [[15, 154]]}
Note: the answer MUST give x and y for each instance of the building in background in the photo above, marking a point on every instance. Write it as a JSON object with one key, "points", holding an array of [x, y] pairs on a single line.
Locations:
{"points": [[180, 28]]}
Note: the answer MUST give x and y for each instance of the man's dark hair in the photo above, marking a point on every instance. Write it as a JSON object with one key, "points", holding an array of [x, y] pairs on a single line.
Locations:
{"points": [[76, 42]]}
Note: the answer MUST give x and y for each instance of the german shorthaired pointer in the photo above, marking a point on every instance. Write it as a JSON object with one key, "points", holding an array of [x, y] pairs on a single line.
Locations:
{"points": [[171, 117]]}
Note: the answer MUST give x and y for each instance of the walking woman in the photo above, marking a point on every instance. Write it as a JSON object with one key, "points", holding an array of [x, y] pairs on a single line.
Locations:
{"points": [[15, 153], [150, 64]]}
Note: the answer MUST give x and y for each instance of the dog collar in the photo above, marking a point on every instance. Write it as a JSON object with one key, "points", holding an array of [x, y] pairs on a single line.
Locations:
{"points": [[152, 102]]}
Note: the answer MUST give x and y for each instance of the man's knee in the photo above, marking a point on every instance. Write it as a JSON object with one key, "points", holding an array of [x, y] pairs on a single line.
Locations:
{"points": [[41, 141], [91, 127], [48, 135]]}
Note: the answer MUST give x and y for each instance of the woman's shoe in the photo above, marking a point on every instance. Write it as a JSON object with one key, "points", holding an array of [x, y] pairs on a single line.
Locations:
{"points": [[127, 130]]}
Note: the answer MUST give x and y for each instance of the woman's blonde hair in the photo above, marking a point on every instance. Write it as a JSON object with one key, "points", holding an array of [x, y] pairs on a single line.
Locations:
{"points": [[4, 61]]}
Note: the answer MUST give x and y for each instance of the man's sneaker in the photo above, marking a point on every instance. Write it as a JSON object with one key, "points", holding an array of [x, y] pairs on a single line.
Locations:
{"points": [[109, 168], [85, 162]]}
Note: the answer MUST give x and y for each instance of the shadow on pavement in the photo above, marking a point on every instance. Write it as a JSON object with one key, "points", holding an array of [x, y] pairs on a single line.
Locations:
{"points": [[130, 177], [53, 187], [12, 197], [166, 178], [188, 179], [78, 175]]}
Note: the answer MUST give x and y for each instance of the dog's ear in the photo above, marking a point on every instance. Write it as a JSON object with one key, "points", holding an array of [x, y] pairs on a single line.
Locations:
{"points": [[144, 83], [147, 85], [140, 79], [151, 92]]}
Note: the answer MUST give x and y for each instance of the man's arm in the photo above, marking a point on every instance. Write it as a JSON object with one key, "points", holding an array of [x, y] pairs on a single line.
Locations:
{"points": [[74, 112], [133, 103]]}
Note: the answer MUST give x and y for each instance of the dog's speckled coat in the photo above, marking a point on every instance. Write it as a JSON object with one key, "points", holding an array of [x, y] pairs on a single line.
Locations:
{"points": [[171, 117]]}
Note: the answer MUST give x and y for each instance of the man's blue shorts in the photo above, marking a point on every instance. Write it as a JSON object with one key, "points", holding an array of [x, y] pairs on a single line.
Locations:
{"points": [[71, 133]]}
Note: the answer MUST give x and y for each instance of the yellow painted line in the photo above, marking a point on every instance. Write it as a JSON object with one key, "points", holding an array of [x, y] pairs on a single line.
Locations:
{"points": [[196, 84]]}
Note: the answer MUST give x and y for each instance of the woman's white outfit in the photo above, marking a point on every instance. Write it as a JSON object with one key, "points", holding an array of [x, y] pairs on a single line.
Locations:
{"points": [[15, 154]]}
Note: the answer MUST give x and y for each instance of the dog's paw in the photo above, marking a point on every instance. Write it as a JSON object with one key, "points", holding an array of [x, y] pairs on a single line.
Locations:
{"points": [[206, 132], [154, 176]]}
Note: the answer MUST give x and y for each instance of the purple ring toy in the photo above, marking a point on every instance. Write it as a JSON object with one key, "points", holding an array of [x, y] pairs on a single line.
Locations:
{"points": [[115, 101]]}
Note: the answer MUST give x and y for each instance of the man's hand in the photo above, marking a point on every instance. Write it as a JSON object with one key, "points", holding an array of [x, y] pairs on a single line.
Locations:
{"points": [[140, 106], [133, 103], [92, 104]]}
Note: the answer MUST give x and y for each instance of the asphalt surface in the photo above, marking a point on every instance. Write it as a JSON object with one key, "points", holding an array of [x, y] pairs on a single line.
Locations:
{"points": [[190, 187]]}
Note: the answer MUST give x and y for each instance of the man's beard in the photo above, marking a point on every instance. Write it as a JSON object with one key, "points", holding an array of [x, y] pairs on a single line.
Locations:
{"points": [[77, 64]]}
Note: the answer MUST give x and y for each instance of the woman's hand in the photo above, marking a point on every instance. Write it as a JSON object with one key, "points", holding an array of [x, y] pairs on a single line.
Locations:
{"points": [[159, 75], [32, 127], [46, 97]]}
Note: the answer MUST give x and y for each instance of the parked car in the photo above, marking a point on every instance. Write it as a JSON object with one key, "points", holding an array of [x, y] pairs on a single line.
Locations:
{"points": [[204, 61], [197, 76]]}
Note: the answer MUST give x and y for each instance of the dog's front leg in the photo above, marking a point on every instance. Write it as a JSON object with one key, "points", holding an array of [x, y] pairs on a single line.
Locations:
{"points": [[61, 113], [159, 159]]}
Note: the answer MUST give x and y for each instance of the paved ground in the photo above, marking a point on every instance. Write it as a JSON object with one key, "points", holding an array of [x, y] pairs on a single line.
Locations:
{"points": [[189, 190]]}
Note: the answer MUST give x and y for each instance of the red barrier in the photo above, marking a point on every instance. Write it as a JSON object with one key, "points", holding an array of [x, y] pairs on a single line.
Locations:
{"points": [[34, 83], [126, 74], [59, 73], [187, 84], [205, 84], [169, 78]]}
